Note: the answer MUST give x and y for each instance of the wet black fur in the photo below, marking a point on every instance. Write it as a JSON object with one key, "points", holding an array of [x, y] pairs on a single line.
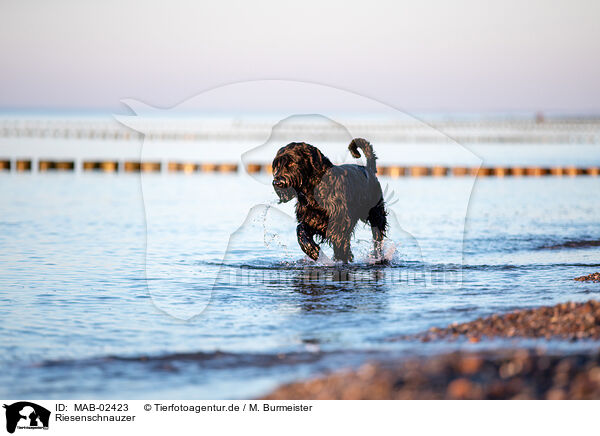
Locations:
{"points": [[331, 198]]}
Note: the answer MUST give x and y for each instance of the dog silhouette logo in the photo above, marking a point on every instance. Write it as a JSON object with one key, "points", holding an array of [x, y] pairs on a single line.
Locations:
{"points": [[26, 415]]}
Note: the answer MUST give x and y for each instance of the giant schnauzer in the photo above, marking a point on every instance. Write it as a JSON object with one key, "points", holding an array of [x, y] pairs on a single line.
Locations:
{"points": [[331, 198]]}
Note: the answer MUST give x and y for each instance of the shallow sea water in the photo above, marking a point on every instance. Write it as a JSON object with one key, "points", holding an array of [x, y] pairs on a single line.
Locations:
{"points": [[227, 306]]}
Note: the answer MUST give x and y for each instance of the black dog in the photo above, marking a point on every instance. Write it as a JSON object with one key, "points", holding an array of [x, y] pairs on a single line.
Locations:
{"points": [[331, 198]]}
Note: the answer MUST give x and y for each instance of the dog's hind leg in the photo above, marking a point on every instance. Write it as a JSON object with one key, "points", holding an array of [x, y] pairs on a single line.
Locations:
{"points": [[306, 241], [378, 220]]}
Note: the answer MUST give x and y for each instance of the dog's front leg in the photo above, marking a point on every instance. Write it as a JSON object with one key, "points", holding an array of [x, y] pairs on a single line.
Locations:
{"points": [[305, 239], [339, 232], [341, 249]]}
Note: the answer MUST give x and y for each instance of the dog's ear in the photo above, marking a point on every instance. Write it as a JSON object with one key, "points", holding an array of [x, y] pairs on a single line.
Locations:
{"points": [[319, 161]]}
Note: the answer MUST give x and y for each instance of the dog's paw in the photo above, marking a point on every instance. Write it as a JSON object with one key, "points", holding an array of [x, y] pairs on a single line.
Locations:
{"points": [[379, 261]]}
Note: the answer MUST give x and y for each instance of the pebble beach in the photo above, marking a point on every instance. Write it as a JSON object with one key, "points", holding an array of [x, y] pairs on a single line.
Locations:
{"points": [[508, 373]]}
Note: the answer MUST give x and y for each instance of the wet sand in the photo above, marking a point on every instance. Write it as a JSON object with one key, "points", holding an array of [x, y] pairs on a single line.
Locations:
{"points": [[573, 244], [503, 374]]}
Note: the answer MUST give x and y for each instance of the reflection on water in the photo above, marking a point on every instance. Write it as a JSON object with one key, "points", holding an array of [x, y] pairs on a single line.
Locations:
{"points": [[323, 289], [82, 316]]}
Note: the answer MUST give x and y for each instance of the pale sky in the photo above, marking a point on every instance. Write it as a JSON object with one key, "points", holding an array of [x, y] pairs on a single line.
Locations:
{"points": [[458, 55]]}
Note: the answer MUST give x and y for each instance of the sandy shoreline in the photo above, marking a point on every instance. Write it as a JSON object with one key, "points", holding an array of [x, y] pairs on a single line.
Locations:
{"points": [[503, 374]]}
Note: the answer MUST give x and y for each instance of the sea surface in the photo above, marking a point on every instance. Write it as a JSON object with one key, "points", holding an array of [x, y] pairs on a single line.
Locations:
{"points": [[192, 286]]}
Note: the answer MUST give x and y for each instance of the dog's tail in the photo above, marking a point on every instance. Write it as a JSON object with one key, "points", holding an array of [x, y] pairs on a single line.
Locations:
{"points": [[367, 149]]}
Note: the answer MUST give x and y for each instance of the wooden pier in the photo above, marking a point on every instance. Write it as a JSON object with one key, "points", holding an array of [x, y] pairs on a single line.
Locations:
{"points": [[392, 171]]}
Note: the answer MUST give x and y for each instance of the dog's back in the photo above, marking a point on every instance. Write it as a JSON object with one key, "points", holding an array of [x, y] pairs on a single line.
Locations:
{"points": [[356, 185]]}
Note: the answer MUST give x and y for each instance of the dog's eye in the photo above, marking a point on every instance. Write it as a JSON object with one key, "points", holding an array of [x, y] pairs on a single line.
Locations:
{"points": [[282, 162]]}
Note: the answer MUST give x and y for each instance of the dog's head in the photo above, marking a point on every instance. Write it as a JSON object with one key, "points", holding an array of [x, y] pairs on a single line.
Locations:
{"points": [[297, 168]]}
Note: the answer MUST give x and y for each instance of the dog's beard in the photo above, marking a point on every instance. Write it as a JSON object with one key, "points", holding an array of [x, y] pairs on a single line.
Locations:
{"points": [[285, 194]]}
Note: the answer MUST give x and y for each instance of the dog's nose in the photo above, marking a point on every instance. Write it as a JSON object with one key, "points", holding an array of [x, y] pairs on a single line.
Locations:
{"points": [[278, 182]]}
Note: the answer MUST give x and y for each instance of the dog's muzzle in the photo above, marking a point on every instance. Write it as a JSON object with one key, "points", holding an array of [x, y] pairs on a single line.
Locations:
{"points": [[279, 183], [283, 190]]}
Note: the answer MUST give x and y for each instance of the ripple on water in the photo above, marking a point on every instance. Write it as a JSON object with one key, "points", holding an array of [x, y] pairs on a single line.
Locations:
{"points": [[77, 312]]}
